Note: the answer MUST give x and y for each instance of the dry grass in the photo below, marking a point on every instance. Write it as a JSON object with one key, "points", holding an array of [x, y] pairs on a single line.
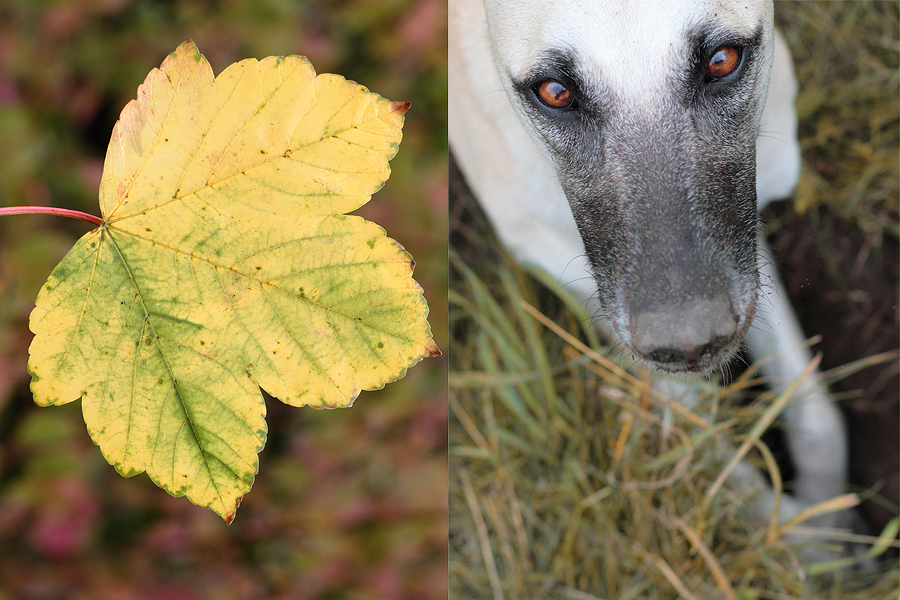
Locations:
{"points": [[846, 59], [566, 483], [570, 477]]}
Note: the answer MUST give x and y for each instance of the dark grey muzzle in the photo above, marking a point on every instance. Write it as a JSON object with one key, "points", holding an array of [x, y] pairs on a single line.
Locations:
{"points": [[669, 225]]}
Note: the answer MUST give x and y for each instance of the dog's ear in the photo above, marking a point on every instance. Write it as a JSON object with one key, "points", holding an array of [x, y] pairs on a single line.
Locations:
{"points": [[777, 148]]}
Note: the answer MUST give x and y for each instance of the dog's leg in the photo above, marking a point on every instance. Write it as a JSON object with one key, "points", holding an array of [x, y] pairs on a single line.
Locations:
{"points": [[814, 425], [815, 428]]}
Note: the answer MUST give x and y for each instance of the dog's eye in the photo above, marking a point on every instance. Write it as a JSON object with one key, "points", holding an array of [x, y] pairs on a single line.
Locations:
{"points": [[554, 94], [723, 62]]}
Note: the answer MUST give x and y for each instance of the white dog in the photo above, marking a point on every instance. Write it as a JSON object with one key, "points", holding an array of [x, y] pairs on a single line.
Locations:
{"points": [[624, 146]]}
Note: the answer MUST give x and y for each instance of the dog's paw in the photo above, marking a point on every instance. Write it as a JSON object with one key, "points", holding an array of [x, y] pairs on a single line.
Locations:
{"points": [[826, 542]]}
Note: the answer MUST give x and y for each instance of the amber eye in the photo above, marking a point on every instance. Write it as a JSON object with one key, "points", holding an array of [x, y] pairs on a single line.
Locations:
{"points": [[723, 62], [554, 94]]}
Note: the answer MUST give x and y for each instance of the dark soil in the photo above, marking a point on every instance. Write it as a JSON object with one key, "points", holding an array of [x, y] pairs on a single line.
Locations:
{"points": [[844, 286]]}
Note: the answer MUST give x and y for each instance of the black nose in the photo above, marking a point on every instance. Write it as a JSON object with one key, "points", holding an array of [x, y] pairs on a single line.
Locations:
{"points": [[685, 336]]}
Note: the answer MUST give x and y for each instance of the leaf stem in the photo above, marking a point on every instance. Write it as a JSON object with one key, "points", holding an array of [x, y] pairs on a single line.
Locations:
{"points": [[50, 210]]}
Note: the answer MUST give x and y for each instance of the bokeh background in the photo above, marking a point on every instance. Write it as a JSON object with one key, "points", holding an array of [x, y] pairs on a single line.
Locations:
{"points": [[348, 503]]}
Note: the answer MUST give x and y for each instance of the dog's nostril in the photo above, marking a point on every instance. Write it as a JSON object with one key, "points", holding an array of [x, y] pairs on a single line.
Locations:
{"points": [[671, 356], [667, 356], [686, 334]]}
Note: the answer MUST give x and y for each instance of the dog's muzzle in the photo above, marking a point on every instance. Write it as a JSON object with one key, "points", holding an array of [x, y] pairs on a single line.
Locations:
{"points": [[672, 245], [680, 302]]}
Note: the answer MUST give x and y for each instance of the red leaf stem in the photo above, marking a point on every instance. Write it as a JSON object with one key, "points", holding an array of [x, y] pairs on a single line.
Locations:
{"points": [[50, 210]]}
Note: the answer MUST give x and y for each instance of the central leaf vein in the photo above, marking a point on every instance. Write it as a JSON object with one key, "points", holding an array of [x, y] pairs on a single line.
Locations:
{"points": [[168, 365]]}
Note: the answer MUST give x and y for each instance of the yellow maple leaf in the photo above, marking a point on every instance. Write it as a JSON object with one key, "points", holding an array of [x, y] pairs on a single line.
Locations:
{"points": [[225, 262]]}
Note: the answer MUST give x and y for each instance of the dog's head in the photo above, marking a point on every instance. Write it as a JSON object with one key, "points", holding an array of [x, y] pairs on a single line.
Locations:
{"points": [[649, 112]]}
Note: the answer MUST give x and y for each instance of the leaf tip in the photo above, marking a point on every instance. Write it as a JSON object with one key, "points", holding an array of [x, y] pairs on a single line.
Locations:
{"points": [[401, 107], [431, 350], [229, 517], [188, 46]]}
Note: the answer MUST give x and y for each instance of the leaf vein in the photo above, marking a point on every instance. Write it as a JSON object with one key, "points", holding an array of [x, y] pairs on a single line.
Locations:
{"points": [[84, 304], [143, 163], [299, 345], [168, 366]]}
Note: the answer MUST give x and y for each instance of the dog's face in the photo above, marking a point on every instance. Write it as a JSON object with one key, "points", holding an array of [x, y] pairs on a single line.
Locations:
{"points": [[649, 112]]}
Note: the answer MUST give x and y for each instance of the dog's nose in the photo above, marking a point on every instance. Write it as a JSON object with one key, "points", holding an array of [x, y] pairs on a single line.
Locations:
{"points": [[687, 334]]}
